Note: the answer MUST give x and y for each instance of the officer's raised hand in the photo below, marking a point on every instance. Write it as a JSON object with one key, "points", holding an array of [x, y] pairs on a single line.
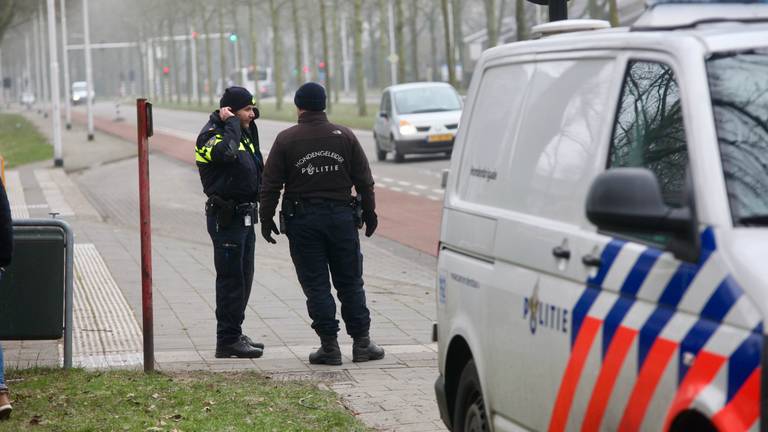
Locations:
{"points": [[225, 113], [267, 228], [371, 221]]}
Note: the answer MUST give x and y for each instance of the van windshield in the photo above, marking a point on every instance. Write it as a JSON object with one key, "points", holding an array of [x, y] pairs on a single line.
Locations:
{"points": [[739, 89], [427, 99]]}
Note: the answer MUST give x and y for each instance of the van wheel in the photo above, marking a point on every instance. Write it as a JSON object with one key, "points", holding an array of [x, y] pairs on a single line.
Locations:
{"points": [[380, 154], [469, 412]]}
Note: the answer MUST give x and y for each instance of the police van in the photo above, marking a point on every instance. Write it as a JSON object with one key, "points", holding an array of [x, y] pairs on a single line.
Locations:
{"points": [[603, 259]]}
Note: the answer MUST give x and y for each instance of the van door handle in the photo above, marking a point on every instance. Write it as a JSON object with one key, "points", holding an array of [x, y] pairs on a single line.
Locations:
{"points": [[590, 260], [561, 252]]}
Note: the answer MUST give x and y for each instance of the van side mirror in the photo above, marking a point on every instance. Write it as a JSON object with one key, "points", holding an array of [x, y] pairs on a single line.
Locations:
{"points": [[383, 115], [629, 201]]}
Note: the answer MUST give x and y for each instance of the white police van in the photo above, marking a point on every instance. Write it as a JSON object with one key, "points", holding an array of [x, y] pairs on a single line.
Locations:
{"points": [[603, 261]]}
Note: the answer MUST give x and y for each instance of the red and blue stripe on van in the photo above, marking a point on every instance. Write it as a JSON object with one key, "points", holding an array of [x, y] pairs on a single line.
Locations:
{"points": [[697, 366]]}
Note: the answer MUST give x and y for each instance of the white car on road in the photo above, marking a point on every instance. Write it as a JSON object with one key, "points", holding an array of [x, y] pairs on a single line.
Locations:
{"points": [[417, 118]]}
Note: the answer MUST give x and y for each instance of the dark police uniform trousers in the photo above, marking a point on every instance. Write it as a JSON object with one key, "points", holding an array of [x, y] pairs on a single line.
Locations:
{"points": [[233, 256], [322, 236]]}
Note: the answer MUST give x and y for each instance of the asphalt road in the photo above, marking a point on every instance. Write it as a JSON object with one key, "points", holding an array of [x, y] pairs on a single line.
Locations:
{"points": [[418, 176]]}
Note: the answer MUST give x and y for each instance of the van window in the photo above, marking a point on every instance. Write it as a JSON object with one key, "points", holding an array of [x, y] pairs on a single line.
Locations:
{"points": [[386, 104], [648, 130], [491, 131], [553, 161]]}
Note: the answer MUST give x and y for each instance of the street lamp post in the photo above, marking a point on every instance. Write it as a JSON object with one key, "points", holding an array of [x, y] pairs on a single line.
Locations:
{"points": [[88, 70], [392, 54], [65, 59], [55, 95]]}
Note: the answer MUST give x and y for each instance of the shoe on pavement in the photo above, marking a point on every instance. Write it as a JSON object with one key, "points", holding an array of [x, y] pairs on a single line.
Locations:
{"points": [[364, 349], [5, 405], [328, 353], [239, 349], [250, 342]]}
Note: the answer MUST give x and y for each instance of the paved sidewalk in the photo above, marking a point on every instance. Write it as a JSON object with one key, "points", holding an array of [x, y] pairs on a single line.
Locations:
{"points": [[101, 195]]}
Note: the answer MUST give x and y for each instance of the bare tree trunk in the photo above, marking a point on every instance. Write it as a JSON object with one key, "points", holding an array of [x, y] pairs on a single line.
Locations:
{"points": [[277, 46], [613, 9], [448, 46], [174, 64], [373, 48], [208, 59], [458, 37], [383, 45], [189, 64], [254, 51], [222, 48], [414, 40], [432, 46], [520, 20], [490, 23], [400, 40], [358, 55], [594, 11], [338, 73], [297, 43], [500, 18], [326, 56]]}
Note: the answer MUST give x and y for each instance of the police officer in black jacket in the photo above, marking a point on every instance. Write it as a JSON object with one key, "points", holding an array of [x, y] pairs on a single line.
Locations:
{"points": [[230, 164], [319, 163]]}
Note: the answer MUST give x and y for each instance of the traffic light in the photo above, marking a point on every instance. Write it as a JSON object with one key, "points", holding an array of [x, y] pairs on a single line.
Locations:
{"points": [[166, 70], [194, 35], [233, 38], [322, 65]]}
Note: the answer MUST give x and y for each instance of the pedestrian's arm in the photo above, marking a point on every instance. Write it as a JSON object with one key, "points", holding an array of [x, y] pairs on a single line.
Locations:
{"points": [[6, 229], [228, 142], [272, 182], [361, 176]]}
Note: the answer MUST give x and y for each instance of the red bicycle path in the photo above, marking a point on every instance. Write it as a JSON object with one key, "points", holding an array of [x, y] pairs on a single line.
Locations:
{"points": [[406, 219]]}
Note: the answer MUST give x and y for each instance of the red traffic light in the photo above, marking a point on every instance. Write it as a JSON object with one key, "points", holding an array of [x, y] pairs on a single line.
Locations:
{"points": [[322, 65], [166, 70], [194, 35]]}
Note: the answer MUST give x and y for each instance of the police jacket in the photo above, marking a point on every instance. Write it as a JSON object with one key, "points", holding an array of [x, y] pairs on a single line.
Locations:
{"points": [[6, 229], [316, 159], [229, 159]]}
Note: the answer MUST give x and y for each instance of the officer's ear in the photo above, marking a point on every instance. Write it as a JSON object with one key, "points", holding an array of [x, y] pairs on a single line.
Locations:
{"points": [[256, 113]]}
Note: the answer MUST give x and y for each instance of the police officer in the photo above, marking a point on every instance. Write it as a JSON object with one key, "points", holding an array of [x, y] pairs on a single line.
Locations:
{"points": [[230, 164], [319, 162]]}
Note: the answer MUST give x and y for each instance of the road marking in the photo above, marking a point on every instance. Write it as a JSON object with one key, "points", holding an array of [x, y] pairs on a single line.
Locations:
{"points": [[404, 183], [434, 198], [422, 187], [414, 193], [396, 189], [52, 193], [15, 190], [387, 179], [438, 191], [383, 186]]}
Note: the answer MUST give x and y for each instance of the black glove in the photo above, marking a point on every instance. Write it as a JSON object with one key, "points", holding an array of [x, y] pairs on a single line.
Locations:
{"points": [[371, 221], [267, 228]]}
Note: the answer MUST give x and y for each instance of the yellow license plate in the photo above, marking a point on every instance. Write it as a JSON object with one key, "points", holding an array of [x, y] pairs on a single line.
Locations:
{"points": [[440, 137]]}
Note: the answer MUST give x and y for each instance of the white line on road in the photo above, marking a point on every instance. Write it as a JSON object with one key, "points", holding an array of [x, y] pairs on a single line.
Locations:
{"points": [[404, 183], [422, 187], [434, 198], [438, 191], [396, 189], [414, 193], [387, 179]]}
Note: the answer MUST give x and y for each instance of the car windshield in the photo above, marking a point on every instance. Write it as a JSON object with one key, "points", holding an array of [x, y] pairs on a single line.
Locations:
{"points": [[739, 90], [426, 99], [78, 86]]}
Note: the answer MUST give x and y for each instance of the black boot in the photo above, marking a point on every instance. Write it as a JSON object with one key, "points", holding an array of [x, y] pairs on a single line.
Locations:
{"points": [[250, 342], [364, 349], [328, 353], [238, 349]]}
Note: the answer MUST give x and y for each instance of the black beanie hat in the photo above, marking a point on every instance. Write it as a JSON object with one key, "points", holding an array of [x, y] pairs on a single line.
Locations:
{"points": [[310, 97], [236, 98]]}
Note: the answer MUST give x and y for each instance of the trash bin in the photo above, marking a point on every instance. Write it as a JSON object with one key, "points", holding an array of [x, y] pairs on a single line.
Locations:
{"points": [[32, 289]]}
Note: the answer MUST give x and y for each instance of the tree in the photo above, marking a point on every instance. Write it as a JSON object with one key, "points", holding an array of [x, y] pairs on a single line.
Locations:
{"points": [[297, 42], [413, 30], [208, 53], [490, 22], [222, 47], [521, 23], [457, 7], [254, 50], [338, 73], [277, 47], [613, 11], [358, 55], [326, 57], [383, 45], [400, 40], [448, 45], [173, 64], [14, 13]]}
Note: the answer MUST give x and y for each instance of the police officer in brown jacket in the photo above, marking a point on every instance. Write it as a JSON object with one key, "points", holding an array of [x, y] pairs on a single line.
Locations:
{"points": [[318, 163]]}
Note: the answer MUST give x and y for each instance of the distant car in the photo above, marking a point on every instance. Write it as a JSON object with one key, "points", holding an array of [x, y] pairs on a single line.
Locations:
{"points": [[263, 83], [28, 99], [417, 118], [79, 90]]}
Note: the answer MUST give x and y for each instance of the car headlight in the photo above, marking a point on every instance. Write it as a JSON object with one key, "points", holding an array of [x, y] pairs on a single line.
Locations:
{"points": [[406, 128], [77, 98]]}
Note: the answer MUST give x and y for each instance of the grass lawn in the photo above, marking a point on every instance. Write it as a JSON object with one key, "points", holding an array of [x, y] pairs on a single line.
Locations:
{"points": [[21, 142], [344, 114], [76, 400]]}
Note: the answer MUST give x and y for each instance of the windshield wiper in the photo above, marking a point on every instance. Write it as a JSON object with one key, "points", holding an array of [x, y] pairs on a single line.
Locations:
{"points": [[429, 110], [754, 220]]}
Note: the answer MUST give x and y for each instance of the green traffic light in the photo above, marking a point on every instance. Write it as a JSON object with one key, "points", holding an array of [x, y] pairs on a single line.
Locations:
{"points": [[233, 37]]}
